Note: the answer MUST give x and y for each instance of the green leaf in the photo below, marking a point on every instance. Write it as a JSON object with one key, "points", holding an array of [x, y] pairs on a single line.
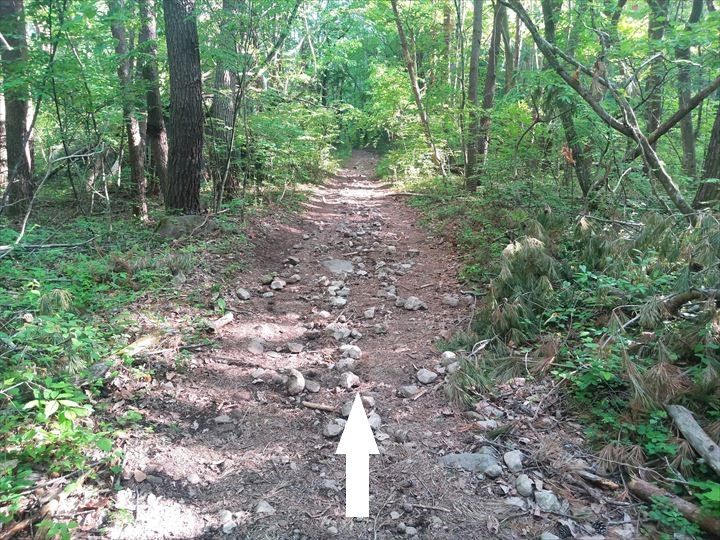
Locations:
{"points": [[104, 444], [51, 408]]}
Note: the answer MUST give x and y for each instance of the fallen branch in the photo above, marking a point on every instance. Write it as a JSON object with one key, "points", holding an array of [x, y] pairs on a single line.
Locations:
{"points": [[695, 435], [222, 321], [604, 483], [319, 406], [647, 491]]}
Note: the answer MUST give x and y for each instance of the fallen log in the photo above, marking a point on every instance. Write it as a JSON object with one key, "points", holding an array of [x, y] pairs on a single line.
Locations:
{"points": [[692, 512], [695, 435]]}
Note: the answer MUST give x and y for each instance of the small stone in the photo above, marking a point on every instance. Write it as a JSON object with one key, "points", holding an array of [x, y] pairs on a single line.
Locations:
{"points": [[312, 386], [267, 279], [256, 346], [451, 300], [295, 347], [394, 515], [227, 528], [407, 391], [333, 429], [225, 516], [277, 284], [348, 380], [346, 408], [524, 485], [351, 351], [139, 476], [292, 260], [548, 536], [264, 507], [338, 301], [345, 364], [369, 313], [486, 425], [413, 303], [480, 462], [338, 266], [338, 331], [332, 530], [513, 460], [324, 314], [374, 420], [243, 294], [295, 278], [222, 419], [410, 531], [447, 358], [453, 368], [425, 376], [295, 383], [547, 501]]}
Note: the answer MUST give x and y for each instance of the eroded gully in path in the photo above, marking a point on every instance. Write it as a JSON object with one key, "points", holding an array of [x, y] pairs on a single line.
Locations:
{"points": [[234, 455]]}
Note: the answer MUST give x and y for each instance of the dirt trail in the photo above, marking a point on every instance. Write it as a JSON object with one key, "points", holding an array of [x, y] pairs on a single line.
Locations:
{"points": [[232, 454]]}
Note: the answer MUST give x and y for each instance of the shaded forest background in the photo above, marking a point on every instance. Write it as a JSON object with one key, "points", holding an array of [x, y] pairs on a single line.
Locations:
{"points": [[570, 149]]}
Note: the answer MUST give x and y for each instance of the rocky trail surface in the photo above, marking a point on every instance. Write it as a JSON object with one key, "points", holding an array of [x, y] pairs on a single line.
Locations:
{"points": [[349, 297]]}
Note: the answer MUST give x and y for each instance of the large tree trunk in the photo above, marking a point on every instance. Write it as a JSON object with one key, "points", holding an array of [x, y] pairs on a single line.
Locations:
{"points": [[658, 22], [490, 83], [579, 161], [709, 192], [687, 133], [136, 151], [410, 66], [185, 165], [471, 178], [156, 133], [19, 191]]}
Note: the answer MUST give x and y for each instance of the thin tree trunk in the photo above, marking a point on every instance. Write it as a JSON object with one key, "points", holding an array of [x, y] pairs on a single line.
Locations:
{"points": [[579, 159], [3, 146], [185, 164], [709, 192], [473, 146], [410, 66], [156, 132], [687, 132], [136, 151], [490, 83], [19, 191], [658, 22], [222, 114], [507, 49]]}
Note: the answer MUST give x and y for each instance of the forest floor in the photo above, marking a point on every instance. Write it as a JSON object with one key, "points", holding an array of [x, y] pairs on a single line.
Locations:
{"points": [[224, 450]]}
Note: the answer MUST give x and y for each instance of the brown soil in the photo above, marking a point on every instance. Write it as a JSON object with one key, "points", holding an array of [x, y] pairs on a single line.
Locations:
{"points": [[187, 469]]}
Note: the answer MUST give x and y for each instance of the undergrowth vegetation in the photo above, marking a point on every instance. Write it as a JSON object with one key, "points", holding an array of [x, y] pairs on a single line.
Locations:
{"points": [[621, 312], [67, 316]]}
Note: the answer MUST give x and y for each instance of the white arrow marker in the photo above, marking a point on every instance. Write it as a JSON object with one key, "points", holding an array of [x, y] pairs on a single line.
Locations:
{"points": [[357, 443]]}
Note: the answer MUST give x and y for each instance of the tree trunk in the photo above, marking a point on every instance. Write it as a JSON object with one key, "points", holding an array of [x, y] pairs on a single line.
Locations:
{"points": [[185, 165], [3, 146], [410, 66], [490, 82], [579, 160], [657, 24], [136, 151], [19, 191], [507, 49], [709, 192], [471, 179], [156, 133], [687, 133], [222, 116]]}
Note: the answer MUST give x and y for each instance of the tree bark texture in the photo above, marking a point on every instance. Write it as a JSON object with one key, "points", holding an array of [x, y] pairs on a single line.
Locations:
{"points": [[185, 164]]}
